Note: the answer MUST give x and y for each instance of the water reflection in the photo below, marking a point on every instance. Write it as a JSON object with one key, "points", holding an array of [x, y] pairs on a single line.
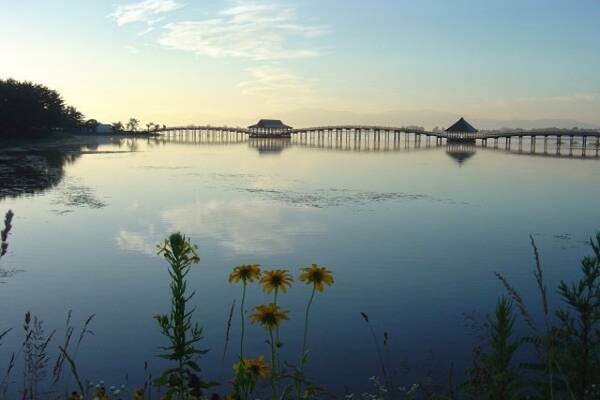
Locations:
{"points": [[32, 169], [144, 243], [243, 227], [460, 152], [26, 171], [266, 146], [240, 227]]}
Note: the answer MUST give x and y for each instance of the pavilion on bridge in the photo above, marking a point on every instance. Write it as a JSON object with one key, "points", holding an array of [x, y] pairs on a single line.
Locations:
{"points": [[461, 131], [270, 128]]}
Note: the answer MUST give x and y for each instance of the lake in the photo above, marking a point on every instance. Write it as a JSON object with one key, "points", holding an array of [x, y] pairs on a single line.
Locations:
{"points": [[413, 236]]}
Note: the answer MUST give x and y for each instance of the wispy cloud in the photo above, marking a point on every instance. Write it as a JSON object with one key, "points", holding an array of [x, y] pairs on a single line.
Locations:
{"points": [[131, 49], [147, 11], [275, 83], [255, 31]]}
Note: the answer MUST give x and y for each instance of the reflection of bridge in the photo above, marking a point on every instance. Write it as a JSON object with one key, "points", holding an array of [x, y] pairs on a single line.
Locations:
{"points": [[546, 146]]}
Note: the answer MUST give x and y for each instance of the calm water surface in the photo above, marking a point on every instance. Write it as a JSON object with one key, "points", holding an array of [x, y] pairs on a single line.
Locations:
{"points": [[413, 237]]}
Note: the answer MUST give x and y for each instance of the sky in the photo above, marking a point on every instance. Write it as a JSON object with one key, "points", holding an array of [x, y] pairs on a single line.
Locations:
{"points": [[232, 62]]}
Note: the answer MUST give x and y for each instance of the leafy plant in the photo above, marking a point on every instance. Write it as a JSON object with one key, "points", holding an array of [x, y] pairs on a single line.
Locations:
{"points": [[182, 381], [493, 376], [578, 332], [5, 231]]}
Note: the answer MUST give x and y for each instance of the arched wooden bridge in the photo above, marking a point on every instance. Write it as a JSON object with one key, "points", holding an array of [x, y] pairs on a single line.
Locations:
{"points": [[376, 132], [548, 143]]}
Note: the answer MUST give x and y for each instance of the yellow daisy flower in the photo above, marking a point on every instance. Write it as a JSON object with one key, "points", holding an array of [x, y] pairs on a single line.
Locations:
{"points": [[317, 276], [101, 394], [245, 273], [257, 366], [278, 279], [138, 394], [268, 315]]}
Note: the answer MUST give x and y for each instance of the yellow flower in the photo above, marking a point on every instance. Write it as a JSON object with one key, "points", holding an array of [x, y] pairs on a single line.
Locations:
{"points": [[245, 273], [74, 396], [257, 366], [317, 276], [138, 394], [278, 279], [268, 315], [100, 394]]}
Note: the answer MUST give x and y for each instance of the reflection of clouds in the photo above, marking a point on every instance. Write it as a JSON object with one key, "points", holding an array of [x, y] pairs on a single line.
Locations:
{"points": [[244, 227], [136, 242]]}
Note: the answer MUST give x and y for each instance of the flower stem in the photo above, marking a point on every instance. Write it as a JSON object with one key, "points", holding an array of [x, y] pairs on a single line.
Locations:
{"points": [[277, 335], [273, 368], [303, 353], [243, 322], [312, 296]]}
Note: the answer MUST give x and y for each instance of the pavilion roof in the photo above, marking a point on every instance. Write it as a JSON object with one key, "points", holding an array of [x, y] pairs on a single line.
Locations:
{"points": [[462, 126], [270, 124]]}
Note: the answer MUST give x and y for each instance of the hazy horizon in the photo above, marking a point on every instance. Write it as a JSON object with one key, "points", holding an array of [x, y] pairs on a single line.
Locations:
{"points": [[231, 62]]}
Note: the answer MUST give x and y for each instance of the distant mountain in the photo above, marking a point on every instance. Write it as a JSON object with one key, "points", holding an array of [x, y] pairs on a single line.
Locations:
{"points": [[427, 118], [532, 124]]}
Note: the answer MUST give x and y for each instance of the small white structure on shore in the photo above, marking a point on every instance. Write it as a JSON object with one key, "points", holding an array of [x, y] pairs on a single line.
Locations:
{"points": [[104, 128]]}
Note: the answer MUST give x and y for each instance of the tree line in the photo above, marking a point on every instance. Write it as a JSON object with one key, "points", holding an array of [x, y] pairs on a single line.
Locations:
{"points": [[28, 109]]}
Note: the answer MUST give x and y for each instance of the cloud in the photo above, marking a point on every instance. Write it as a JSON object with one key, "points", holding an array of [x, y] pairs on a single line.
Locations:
{"points": [[148, 11], [255, 31], [131, 49], [275, 83]]}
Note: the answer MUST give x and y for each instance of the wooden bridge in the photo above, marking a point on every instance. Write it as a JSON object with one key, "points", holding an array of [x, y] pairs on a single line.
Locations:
{"points": [[377, 132], [547, 143]]}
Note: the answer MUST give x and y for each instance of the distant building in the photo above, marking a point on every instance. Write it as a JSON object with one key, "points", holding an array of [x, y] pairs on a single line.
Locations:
{"points": [[104, 129], [462, 131], [93, 127], [268, 128]]}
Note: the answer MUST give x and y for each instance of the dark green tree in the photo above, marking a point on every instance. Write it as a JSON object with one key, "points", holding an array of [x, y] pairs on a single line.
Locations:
{"points": [[28, 109], [133, 124]]}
